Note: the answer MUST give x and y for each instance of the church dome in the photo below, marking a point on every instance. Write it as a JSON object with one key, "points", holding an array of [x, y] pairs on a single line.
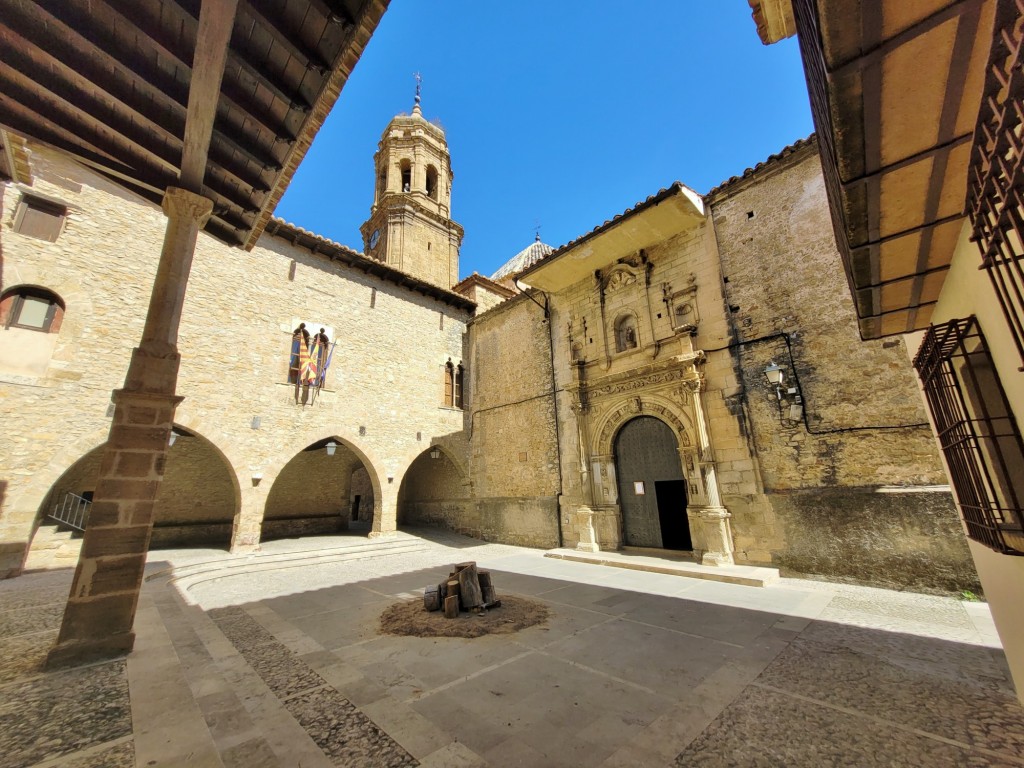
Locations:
{"points": [[523, 260]]}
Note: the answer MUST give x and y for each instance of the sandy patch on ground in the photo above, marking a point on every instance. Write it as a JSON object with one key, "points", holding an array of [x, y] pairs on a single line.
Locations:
{"points": [[410, 618]]}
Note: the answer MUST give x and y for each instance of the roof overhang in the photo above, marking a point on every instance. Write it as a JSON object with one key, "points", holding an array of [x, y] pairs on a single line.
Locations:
{"points": [[895, 89], [660, 217], [774, 19], [124, 88]]}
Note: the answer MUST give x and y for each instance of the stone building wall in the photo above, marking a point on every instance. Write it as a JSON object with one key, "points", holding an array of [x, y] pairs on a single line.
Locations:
{"points": [[844, 490], [383, 399], [513, 463]]}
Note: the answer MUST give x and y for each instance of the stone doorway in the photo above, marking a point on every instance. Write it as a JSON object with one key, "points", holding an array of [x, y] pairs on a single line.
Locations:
{"points": [[652, 487]]}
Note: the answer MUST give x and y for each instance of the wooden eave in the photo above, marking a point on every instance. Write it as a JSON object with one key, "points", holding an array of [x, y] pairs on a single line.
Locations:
{"points": [[109, 83], [895, 90], [661, 216]]}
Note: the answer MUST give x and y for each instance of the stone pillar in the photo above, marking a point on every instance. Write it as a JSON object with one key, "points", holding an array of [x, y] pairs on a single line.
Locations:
{"points": [[385, 511], [248, 523], [714, 518], [101, 606], [585, 525]]}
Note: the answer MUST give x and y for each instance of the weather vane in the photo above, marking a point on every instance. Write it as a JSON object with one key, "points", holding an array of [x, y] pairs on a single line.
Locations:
{"points": [[419, 84], [536, 229]]}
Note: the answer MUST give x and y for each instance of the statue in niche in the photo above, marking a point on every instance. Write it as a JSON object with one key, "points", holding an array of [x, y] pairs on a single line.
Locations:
{"points": [[625, 333]]}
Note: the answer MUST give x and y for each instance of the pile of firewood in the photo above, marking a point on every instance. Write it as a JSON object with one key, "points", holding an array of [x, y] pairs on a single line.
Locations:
{"points": [[466, 589]]}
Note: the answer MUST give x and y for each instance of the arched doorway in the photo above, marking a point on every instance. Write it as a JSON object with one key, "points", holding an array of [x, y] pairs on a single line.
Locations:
{"points": [[652, 487], [313, 494], [361, 501]]}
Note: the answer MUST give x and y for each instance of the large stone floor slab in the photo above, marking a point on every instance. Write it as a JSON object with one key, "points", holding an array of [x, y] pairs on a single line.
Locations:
{"points": [[275, 659]]}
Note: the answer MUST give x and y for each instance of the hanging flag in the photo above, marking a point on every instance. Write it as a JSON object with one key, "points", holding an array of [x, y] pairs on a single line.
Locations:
{"points": [[309, 367], [303, 360], [327, 364]]}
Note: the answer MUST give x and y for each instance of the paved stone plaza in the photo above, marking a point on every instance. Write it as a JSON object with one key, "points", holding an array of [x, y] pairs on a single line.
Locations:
{"points": [[275, 659]]}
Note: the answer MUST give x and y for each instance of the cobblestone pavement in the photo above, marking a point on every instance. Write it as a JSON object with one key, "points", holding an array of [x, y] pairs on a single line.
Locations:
{"points": [[275, 660]]}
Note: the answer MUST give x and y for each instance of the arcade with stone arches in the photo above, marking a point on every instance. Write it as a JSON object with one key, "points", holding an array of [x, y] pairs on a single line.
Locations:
{"points": [[327, 487]]}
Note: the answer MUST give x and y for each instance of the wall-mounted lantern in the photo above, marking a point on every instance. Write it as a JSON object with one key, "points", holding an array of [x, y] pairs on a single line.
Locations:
{"points": [[172, 438], [774, 374], [331, 447], [791, 408], [435, 452]]}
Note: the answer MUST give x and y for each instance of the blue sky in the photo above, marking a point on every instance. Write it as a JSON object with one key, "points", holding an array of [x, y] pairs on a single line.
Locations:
{"points": [[561, 113]]}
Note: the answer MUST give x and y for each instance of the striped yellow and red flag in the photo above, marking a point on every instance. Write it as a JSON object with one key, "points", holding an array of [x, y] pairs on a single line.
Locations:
{"points": [[308, 363]]}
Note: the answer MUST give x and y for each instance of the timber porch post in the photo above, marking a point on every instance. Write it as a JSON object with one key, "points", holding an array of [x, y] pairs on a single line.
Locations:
{"points": [[105, 592]]}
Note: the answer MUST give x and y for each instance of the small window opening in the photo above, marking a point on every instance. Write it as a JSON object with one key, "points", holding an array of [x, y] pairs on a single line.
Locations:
{"points": [[459, 372], [39, 218], [449, 382], [750, 214], [406, 176], [32, 308]]}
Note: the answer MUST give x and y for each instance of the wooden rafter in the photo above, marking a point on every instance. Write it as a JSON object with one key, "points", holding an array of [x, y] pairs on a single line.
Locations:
{"points": [[109, 82]]}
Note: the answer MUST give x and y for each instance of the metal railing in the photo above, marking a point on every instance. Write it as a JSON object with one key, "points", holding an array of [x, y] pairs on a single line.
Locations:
{"points": [[977, 431], [72, 511], [996, 177]]}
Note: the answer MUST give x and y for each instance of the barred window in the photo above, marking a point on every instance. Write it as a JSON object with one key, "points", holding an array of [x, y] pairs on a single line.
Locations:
{"points": [[977, 432]]}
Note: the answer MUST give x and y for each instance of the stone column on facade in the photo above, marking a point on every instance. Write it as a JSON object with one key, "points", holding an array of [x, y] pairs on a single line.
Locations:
{"points": [[385, 511], [585, 525], [587, 537], [713, 517], [104, 594]]}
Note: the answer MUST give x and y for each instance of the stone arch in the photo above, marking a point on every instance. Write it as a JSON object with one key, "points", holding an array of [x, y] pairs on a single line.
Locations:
{"points": [[326, 508], [198, 499], [43, 479], [678, 419], [315, 434], [435, 491], [222, 444], [652, 488]]}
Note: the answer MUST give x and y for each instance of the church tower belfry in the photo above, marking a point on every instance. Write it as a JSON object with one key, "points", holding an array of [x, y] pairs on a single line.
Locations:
{"points": [[410, 225]]}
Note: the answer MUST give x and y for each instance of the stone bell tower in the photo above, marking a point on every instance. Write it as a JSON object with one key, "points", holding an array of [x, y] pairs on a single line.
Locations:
{"points": [[410, 225]]}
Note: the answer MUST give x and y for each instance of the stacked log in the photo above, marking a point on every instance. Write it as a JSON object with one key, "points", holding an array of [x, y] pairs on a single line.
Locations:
{"points": [[466, 589]]}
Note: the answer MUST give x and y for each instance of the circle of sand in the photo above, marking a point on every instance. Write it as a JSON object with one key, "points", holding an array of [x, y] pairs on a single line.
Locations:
{"points": [[411, 619]]}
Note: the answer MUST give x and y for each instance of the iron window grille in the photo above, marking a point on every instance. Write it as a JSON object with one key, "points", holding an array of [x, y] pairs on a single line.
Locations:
{"points": [[977, 432], [996, 176]]}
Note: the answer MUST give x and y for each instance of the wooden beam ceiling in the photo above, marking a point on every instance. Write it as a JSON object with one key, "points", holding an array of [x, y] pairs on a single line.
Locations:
{"points": [[895, 90], [123, 87]]}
